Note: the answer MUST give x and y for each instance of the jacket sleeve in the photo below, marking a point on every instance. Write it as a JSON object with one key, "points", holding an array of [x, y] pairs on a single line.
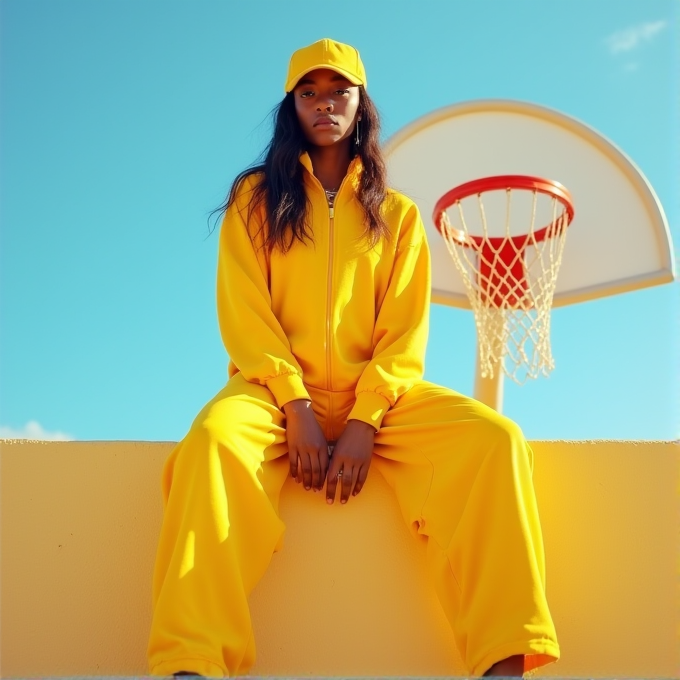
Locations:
{"points": [[401, 328], [252, 335]]}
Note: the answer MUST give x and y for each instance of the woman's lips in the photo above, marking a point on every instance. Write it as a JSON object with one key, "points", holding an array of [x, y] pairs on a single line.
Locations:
{"points": [[324, 122]]}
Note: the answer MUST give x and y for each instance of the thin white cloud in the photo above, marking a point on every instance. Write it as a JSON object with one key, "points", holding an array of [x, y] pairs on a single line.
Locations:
{"points": [[630, 38], [34, 430]]}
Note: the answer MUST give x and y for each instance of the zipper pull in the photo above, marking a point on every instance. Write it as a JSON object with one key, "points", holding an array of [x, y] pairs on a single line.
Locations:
{"points": [[332, 211]]}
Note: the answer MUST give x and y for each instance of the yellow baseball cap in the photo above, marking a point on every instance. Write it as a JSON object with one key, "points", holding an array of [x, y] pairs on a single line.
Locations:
{"points": [[326, 53]]}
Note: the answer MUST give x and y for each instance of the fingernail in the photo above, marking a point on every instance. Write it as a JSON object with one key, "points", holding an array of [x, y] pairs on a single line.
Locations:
{"points": [[329, 501], [343, 500], [308, 487]]}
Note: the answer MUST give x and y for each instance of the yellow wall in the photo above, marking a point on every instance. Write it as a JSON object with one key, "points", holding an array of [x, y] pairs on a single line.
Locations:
{"points": [[79, 527]]}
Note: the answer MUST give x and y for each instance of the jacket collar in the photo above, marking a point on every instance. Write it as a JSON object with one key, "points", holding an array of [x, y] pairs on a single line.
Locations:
{"points": [[353, 171]]}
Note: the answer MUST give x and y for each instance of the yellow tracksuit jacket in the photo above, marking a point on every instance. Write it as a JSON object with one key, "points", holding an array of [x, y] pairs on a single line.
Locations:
{"points": [[334, 314]]}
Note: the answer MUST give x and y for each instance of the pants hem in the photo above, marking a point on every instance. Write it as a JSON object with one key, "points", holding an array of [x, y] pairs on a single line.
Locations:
{"points": [[194, 665], [536, 653]]}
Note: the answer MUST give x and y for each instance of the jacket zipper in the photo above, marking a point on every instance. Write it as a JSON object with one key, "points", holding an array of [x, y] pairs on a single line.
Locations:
{"points": [[329, 285], [329, 290]]}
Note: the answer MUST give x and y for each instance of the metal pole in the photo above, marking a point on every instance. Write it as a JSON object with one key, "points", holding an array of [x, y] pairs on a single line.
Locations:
{"points": [[489, 390]]}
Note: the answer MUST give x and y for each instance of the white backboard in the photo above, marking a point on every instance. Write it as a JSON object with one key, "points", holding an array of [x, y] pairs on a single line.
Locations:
{"points": [[619, 239]]}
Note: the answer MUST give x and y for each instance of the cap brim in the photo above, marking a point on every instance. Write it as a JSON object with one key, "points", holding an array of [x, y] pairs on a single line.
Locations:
{"points": [[290, 85]]}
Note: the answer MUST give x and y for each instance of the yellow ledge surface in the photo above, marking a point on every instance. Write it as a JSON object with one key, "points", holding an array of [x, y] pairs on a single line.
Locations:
{"points": [[348, 593]]}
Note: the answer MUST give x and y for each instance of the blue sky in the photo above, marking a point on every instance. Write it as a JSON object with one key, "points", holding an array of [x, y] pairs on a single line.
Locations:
{"points": [[122, 123]]}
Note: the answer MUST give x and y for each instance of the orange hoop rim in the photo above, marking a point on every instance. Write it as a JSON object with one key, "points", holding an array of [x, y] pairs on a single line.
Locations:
{"points": [[502, 182]]}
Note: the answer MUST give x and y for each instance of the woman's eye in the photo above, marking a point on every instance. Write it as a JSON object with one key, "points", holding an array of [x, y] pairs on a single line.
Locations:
{"points": [[306, 93], [342, 91]]}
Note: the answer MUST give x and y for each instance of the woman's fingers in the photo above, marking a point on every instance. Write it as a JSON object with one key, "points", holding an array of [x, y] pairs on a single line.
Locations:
{"points": [[332, 479], [309, 469], [324, 458], [323, 469], [316, 469], [352, 454], [293, 460], [306, 470], [348, 478], [308, 449], [341, 474], [361, 479], [296, 468]]}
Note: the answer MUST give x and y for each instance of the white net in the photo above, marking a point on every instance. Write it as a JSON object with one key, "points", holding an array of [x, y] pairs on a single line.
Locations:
{"points": [[509, 276]]}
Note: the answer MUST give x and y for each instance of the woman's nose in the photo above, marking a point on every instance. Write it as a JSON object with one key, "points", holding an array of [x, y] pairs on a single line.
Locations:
{"points": [[327, 106]]}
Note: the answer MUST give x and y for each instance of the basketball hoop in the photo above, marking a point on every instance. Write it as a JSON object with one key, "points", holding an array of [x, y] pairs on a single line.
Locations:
{"points": [[509, 273]]}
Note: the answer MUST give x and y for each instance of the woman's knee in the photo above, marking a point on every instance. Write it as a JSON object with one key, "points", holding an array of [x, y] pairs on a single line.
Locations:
{"points": [[513, 444], [505, 438], [215, 426], [216, 441], [238, 414], [508, 429], [230, 426]]}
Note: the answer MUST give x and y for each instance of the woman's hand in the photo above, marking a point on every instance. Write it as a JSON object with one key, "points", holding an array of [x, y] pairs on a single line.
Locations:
{"points": [[351, 455], [307, 447]]}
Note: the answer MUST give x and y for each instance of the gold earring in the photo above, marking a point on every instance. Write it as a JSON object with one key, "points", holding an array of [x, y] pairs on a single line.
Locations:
{"points": [[357, 139]]}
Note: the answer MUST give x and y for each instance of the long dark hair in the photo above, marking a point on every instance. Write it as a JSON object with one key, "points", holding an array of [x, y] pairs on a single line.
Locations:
{"points": [[281, 188]]}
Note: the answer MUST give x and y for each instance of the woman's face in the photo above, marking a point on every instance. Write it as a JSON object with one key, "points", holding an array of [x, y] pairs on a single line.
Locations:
{"points": [[326, 104]]}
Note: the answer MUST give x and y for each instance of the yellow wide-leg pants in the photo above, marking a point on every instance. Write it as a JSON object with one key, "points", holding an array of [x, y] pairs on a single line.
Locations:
{"points": [[462, 475]]}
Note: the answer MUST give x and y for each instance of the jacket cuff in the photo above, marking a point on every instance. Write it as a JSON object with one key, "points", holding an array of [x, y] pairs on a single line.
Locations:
{"points": [[370, 407], [287, 388]]}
